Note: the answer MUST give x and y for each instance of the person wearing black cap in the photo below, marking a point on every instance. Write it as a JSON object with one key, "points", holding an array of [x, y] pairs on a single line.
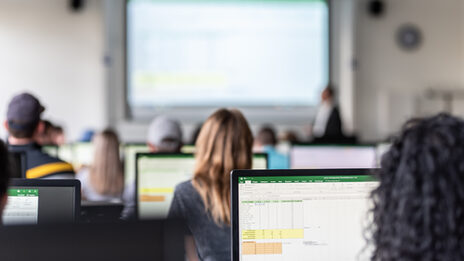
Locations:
{"points": [[24, 126]]}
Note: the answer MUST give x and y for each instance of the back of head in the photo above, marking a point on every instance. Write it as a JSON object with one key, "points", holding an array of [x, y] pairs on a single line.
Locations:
{"points": [[266, 136], [23, 115], [165, 134], [106, 174], [419, 205], [224, 143]]}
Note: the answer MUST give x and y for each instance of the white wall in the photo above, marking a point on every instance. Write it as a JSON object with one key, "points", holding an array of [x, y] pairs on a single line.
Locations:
{"points": [[391, 83], [57, 55]]}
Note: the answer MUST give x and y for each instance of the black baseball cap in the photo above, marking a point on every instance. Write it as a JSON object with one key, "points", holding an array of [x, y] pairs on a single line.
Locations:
{"points": [[24, 111]]}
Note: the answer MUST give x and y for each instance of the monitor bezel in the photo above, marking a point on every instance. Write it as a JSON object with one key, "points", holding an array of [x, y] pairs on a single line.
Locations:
{"points": [[158, 154], [235, 174], [76, 184]]}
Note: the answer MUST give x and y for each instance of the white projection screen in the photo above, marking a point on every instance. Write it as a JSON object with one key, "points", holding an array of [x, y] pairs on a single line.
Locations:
{"points": [[224, 53]]}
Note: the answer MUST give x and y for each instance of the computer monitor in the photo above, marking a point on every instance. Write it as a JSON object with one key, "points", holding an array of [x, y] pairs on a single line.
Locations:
{"points": [[34, 201], [130, 151], [332, 157], [160, 240], [65, 152], [381, 150], [289, 214], [188, 149], [83, 153], [51, 150], [158, 175]]}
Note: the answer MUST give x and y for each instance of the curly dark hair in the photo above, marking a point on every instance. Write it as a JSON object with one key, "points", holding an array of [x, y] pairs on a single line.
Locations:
{"points": [[418, 211]]}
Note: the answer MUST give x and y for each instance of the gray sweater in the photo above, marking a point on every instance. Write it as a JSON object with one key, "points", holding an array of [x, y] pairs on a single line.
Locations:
{"points": [[212, 241]]}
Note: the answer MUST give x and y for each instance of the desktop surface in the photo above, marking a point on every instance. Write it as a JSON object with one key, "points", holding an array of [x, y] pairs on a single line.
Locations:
{"points": [[161, 240], [42, 202], [319, 214], [332, 157], [159, 174]]}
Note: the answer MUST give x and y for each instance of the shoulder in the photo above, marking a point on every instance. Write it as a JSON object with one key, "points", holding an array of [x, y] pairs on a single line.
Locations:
{"points": [[42, 164], [185, 189]]}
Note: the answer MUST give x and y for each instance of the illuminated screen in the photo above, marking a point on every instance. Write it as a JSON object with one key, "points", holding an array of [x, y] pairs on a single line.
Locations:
{"points": [[159, 174], [286, 218], [332, 157], [38, 205], [209, 53]]}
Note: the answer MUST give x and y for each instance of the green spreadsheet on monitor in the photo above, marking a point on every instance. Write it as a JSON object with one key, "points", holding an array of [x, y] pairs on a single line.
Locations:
{"points": [[287, 217]]}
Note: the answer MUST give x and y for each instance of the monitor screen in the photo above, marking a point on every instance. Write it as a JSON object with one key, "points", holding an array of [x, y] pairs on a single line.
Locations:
{"points": [[159, 174], [83, 153], [332, 157], [51, 150], [208, 53], [65, 152], [130, 150], [287, 217], [40, 205]]}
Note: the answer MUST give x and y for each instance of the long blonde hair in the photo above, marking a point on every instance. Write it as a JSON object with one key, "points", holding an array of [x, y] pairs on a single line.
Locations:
{"points": [[224, 143], [106, 173]]}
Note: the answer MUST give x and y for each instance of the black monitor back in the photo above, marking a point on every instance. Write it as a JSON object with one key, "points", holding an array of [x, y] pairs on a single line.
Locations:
{"points": [[159, 240], [18, 165]]}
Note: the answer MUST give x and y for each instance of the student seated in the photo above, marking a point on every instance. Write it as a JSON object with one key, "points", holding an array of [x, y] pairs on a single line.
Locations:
{"points": [[25, 127], [266, 142], [224, 143], [4, 177], [51, 135], [104, 180], [164, 136], [419, 206]]}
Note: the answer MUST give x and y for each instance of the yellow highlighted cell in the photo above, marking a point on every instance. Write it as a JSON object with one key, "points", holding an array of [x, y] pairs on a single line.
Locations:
{"points": [[157, 190], [272, 234]]}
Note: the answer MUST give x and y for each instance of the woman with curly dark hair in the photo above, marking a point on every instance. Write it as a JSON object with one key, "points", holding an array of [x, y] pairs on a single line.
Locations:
{"points": [[419, 205]]}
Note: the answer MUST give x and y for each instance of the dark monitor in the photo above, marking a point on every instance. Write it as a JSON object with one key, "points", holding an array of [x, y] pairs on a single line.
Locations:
{"points": [[161, 240], [158, 174], [34, 201], [18, 164], [289, 214]]}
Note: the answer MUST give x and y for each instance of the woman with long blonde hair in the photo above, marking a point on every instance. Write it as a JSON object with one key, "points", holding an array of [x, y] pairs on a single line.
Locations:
{"points": [[224, 143], [104, 180]]}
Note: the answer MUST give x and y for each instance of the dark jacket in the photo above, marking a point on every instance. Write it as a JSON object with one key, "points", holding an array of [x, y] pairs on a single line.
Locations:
{"points": [[41, 165]]}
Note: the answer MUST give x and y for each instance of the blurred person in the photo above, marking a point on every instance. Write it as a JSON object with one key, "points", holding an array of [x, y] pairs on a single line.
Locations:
{"points": [[164, 136], [24, 126], [327, 124], [45, 138], [58, 136], [266, 142], [290, 137], [4, 176], [51, 135], [418, 211], [225, 143], [104, 179]]}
